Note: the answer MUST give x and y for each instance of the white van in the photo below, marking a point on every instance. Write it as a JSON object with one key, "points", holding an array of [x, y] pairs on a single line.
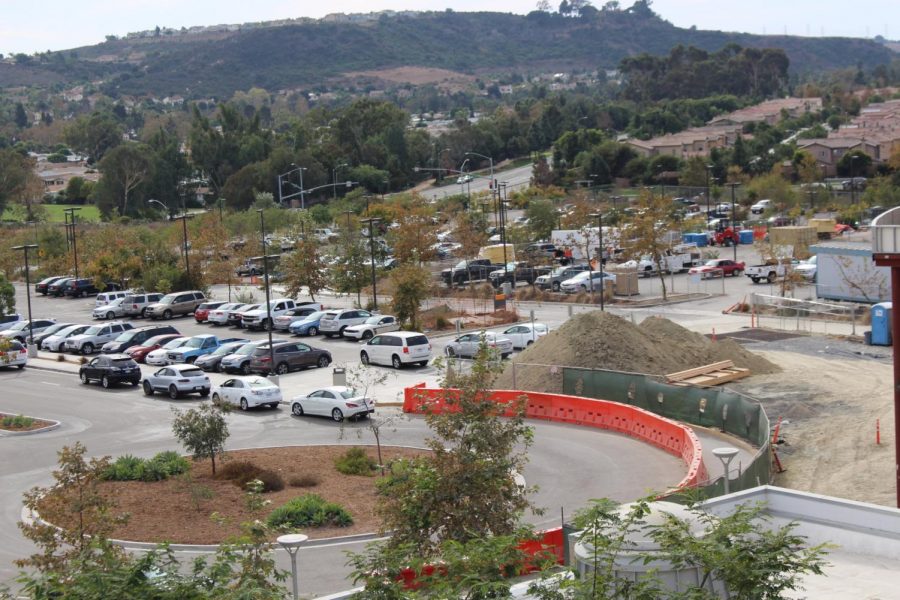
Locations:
{"points": [[107, 297], [398, 349]]}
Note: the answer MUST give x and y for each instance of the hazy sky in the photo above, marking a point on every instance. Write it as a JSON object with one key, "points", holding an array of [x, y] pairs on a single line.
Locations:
{"points": [[37, 25]]}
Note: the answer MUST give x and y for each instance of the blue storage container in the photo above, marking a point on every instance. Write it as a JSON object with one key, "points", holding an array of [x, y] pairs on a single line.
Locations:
{"points": [[882, 316], [745, 236], [701, 239]]}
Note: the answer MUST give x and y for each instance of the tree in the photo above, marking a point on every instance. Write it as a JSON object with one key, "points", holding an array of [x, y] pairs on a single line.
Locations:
{"points": [[304, 268], [350, 273], [412, 285], [16, 176], [124, 169], [7, 296], [94, 135], [542, 218], [807, 168], [774, 187], [21, 117], [414, 239], [650, 229], [855, 163], [203, 431]]}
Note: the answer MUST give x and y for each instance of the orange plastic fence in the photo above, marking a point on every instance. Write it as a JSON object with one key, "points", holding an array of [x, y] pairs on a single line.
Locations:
{"points": [[668, 435]]}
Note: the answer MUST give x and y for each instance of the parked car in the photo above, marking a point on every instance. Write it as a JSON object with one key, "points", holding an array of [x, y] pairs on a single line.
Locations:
{"points": [[236, 317], [14, 356], [56, 342], [177, 380], [397, 349], [324, 235], [212, 362], [247, 392], [288, 357], [136, 304], [335, 322], [139, 353], [761, 207], [109, 297], [586, 281], [22, 329], [219, 316], [779, 221], [526, 334], [113, 310], [43, 286], [137, 337], [308, 325], [337, 402], [298, 313], [197, 346], [110, 369], [94, 337], [201, 314], [718, 267], [372, 326], [52, 330], [7, 320], [239, 361], [86, 287], [463, 179], [160, 355], [179, 303], [58, 287], [553, 280], [260, 317], [807, 268], [467, 345]]}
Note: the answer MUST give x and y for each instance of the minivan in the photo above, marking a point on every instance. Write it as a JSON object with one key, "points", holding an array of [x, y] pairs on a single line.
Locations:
{"points": [[179, 303], [397, 348], [107, 297], [136, 304], [136, 337]]}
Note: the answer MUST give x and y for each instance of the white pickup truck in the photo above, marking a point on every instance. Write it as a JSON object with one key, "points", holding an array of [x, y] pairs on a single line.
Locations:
{"points": [[769, 272], [677, 260], [259, 318]]}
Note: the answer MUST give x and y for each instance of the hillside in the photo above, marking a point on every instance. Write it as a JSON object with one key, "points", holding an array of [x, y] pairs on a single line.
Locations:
{"points": [[309, 53]]}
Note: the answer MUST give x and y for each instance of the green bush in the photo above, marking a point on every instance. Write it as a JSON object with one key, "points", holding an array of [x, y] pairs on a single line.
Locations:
{"points": [[309, 510], [18, 421], [355, 461], [125, 468], [160, 467]]}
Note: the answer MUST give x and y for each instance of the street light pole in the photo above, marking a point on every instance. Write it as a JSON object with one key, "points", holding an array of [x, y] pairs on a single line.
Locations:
{"points": [[25, 248], [292, 542], [371, 222], [708, 167], [262, 228], [71, 214], [334, 180], [599, 216], [734, 245]]}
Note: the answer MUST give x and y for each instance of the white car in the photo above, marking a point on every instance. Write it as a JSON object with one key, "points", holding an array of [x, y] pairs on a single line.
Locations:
{"points": [[21, 329], [113, 310], [176, 380], [110, 297], [247, 392], [526, 334], [761, 207], [94, 337], [467, 345], [236, 317], [57, 341], [586, 281], [160, 356], [219, 316], [807, 269], [463, 179], [372, 326], [397, 349], [334, 322], [14, 356], [337, 402]]}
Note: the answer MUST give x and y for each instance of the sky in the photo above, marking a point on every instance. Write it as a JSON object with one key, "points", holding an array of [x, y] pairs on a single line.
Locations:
{"points": [[37, 25]]}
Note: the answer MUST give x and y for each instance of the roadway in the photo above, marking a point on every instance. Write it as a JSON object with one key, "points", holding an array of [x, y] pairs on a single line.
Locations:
{"points": [[515, 179]]}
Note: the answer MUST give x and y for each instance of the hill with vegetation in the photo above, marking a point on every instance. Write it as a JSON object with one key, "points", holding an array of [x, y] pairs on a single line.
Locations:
{"points": [[309, 53]]}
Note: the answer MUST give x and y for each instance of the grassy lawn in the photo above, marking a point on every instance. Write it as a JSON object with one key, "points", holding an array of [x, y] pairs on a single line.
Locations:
{"points": [[55, 213]]}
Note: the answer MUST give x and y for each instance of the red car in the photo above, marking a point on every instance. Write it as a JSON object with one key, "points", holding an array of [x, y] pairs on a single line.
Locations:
{"points": [[139, 353], [201, 313], [718, 267]]}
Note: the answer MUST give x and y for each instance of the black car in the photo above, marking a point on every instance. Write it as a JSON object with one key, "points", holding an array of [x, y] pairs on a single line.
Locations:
{"points": [[136, 337], [86, 287], [43, 286], [110, 369], [58, 287]]}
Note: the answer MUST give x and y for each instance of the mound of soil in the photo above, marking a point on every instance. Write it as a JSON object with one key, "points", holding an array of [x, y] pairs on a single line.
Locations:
{"points": [[600, 340]]}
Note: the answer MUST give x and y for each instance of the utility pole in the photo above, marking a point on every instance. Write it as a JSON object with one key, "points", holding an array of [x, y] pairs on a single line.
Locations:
{"points": [[371, 224], [25, 249], [70, 212], [599, 216], [262, 228], [734, 245]]}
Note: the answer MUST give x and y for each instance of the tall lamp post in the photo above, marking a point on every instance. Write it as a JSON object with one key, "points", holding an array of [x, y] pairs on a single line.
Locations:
{"points": [[286, 177], [708, 168], [491, 161], [32, 349], [370, 222], [334, 179], [183, 218], [599, 216], [262, 229], [733, 185], [70, 222], [726, 455], [292, 542]]}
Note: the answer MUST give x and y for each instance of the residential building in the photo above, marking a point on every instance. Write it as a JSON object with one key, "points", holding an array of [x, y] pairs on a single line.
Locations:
{"points": [[770, 111], [696, 141]]}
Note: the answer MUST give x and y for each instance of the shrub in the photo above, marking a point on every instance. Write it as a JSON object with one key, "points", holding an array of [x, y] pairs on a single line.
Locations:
{"points": [[160, 467], [355, 461], [441, 323], [18, 421], [125, 468], [304, 481], [272, 481], [242, 472], [309, 510]]}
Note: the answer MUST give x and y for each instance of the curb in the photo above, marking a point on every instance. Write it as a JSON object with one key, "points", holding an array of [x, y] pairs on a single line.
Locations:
{"points": [[51, 369], [53, 425]]}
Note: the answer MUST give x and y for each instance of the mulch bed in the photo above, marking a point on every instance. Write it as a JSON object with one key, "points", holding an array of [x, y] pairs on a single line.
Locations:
{"points": [[37, 424], [165, 511]]}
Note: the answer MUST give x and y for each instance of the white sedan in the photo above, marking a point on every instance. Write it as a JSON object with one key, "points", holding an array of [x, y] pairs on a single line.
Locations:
{"points": [[160, 356], [247, 392], [176, 380], [338, 402], [526, 334], [467, 345], [372, 326]]}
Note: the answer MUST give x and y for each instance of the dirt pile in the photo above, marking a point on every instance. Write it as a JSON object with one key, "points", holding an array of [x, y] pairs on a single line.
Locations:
{"points": [[600, 340]]}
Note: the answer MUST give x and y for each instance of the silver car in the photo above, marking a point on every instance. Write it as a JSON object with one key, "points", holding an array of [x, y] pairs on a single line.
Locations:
{"points": [[176, 380], [467, 345], [57, 341], [113, 310], [336, 321], [179, 303]]}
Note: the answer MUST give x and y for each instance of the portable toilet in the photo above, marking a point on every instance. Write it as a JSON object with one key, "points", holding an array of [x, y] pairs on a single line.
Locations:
{"points": [[745, 236], [701, 239], [881, 324]]}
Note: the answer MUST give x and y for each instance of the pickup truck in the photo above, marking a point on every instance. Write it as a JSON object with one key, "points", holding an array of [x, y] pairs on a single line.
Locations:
{"points": [[197, 346], [767, 272], [259, 318], [476, 269], [516, 272], [554, 279]]}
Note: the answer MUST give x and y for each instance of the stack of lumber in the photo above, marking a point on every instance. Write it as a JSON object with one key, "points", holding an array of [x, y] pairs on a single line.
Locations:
{"points": [[713, 374]]}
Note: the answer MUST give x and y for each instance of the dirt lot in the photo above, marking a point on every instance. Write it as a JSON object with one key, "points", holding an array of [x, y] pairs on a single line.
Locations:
{"points": [[830, 406]]}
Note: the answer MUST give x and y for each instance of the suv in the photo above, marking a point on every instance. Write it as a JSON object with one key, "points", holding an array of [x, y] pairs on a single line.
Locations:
{"points": [[94, 337], [58, 287], [85, 287], [136, 337], [21, 329], [179, 303], [334, 322], [259, 318], [135, 305], [14, 356], [7, 320], [288, 356], [110, 370], [397, 349], [108, 297]]}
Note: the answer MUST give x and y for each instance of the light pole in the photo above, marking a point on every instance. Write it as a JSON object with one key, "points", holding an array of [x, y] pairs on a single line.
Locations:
{"points": [[292, 542], [371, 225], [726, 455], [184, 217], [32, 350], [286, 176], [708, 167], [70, 222], [334, 179], [733, 185], [853, 158], [440, 174], [491, 161], [599, 217], [262, 229]]}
